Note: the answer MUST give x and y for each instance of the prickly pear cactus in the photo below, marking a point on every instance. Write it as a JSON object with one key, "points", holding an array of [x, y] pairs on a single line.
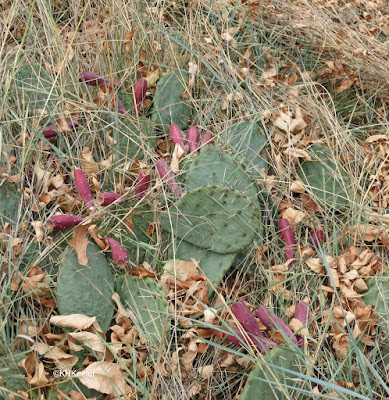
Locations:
{"points": [[169, 107], [9, 200], [247, 142], [86, 289], [215, 167], [378, 296], [215, 218], [141, 217], [146, 300], [213, 265], [133, 138], [325, 179], [259, 386], [34, 85]]}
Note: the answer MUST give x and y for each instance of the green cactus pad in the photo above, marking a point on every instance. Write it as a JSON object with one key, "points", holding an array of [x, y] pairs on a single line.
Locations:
{"points": [[86, 289], [168, 105], [146, 300], [141, 217], [215, 167], [377, 295], [133, 138], [9, 200], [257, 388], [213, 265], [34, 85], [215, 218], [325, 179], [247, 142]]}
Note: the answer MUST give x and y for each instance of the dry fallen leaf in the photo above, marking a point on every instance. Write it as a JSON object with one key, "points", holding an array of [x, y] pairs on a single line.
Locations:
{"points": [[62, 360], [75, 321], [37, 283], [315, 265], [88, 164], [294, 216], [80, 242], [39, 232], [206, 371], [177, 155], [105, 377]]}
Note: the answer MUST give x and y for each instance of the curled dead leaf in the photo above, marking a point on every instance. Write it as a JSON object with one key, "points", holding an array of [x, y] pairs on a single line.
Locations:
{"points": [[315, 265], [294, 216], [105, 377], [88, 164], [80, 242]]}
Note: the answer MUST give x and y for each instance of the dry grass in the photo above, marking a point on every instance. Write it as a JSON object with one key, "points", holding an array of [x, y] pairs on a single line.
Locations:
{"points": [[323, 62]]}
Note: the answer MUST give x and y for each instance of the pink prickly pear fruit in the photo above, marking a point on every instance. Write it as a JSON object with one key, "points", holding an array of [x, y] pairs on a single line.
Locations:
{"points": [[249, 323], [318, 236], [105, 199], [59, 222], [142, 184], [140, 89], [176, 136], [50, 131], [94, 80], [271, 321], [192, 138], [82, 186], [205, 140], [167, 176], [119, 253], [302, 312], [287, 237], [122, 109]]}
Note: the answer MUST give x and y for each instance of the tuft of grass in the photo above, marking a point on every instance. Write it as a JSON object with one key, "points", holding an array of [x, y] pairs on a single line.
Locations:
{"points": [[68, 36]]}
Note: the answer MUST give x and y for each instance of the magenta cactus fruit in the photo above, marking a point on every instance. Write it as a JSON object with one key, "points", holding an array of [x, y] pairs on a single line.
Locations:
{"points": [[119, 253], [205, 140], [192, 138], [271, 321], [50, 131], [302, 312], [82, 186], [287, 237], [94, 80], [122, 109], [142, 184], [167, 176], [105, 199], [318, 236], [59, 222], [249, 323], [176, 136], [140, 89]]}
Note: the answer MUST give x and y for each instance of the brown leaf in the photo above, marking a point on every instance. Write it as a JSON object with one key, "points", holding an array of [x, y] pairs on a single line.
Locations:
{"points": [[175, 161], [206, 371], [80, 242], [297, 187], [294, 216], [75, 322], [62, 360], [40, 377], [91, 340], [100, 241], [187, 359], [88, 164], [105, 377], [39, 232], [37, 283], [315, 265]]}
